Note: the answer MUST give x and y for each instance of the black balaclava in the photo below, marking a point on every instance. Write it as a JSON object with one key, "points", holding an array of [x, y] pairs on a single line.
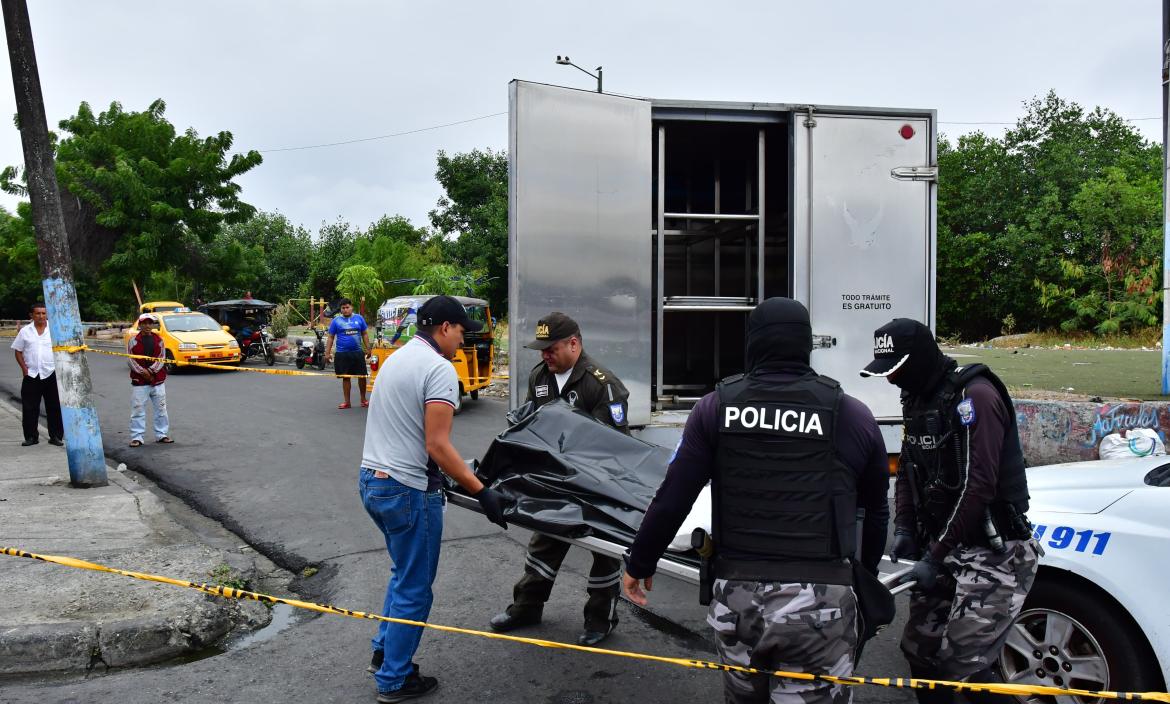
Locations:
{"points": [[779, 336], [926, 366]]}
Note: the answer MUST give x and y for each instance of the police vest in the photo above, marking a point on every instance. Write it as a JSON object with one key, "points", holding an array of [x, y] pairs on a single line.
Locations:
{"points": [[785, 506], [938, 449]]}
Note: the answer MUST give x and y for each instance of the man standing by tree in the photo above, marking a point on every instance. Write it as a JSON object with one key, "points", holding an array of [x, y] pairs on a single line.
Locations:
{"points": [[34, 354], [349, 329]]}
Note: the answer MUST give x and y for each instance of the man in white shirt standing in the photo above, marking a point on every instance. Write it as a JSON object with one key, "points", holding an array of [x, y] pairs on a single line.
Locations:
{"points": [[34, 354]]}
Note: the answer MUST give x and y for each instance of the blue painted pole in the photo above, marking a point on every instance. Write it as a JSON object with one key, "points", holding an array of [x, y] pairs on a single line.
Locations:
{"points": [[83, 437]]}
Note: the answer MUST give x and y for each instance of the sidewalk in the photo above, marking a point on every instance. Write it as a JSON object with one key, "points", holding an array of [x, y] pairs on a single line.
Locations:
{"points": [[55, 618]]}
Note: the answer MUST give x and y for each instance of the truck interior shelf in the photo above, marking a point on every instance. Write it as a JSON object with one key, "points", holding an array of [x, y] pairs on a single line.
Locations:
{"points": [[712, 263]]}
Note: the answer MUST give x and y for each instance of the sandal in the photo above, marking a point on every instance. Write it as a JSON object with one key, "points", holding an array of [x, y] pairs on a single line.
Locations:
{"points": [[365, 404], [165, 440], [135, 443], [343, 406]]}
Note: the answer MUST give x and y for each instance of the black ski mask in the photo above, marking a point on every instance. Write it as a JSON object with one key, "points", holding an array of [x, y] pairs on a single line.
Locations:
{"points": [[906, 354], [779, 336]]}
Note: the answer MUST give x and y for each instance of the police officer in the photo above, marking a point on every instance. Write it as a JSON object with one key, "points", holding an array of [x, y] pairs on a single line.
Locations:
{"points": [[961, 499], [568, 373], [790, 459]]}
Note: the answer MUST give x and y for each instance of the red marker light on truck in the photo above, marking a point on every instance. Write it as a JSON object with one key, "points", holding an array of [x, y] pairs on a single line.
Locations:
{"points": [[907, 132]]}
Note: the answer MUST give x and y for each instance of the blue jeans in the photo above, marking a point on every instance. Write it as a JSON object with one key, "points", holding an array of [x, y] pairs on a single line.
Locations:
{"points": [[158, 397], [412, 522]]}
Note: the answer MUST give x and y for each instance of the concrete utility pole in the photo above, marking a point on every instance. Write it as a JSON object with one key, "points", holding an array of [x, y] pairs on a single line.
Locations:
{"points": [[83, 437]]}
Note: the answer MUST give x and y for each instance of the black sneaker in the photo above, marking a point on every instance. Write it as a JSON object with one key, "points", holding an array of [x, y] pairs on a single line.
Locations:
{"points": [[29, 442], [56, 441], [414, 686], [376, 663]]}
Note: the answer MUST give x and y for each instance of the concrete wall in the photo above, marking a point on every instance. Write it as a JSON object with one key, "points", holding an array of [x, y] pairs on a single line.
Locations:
{"points": [[1065, 431]]}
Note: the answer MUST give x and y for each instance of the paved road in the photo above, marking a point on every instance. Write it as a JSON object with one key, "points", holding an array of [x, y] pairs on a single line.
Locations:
{"points": [[273, 460]]}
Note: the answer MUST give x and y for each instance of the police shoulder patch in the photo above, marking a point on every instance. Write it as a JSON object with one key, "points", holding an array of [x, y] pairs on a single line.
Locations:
{"points": [[542, 390], [599, 374], [618, 412], [966, 410]]}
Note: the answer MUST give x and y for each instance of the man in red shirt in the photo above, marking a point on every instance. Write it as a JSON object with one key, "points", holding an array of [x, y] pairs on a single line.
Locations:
{"points": [[147, 381]]}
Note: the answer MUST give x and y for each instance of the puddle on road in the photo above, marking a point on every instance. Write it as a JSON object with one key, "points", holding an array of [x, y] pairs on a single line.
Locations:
{"points": [[283, 617]]}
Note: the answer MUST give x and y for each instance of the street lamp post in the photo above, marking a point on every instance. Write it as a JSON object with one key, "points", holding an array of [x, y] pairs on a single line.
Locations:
{"points": [[564, 61]]}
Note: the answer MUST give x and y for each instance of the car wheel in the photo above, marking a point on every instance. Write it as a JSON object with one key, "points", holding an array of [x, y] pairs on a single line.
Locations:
{"points": [[1069, 636], [170, 363]]}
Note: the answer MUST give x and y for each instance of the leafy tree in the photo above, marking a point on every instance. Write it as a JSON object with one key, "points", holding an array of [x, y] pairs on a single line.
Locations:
{"points": [[358, 282], [145, 196], [446, 279], [1010, 220], [20, 278], [333, 247], [475, 212], [285, 251]]}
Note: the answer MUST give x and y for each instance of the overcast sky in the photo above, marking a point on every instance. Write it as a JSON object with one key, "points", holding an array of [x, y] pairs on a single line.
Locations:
{"points": [[292, 73]]}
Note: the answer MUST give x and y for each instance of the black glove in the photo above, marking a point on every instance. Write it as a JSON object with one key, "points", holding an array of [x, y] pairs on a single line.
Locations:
{"points": [[492, 503], [905, 546], [924, 574]]}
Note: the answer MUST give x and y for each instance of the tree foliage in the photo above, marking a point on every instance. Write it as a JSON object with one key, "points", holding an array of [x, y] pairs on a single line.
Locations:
{"points": [[359, 282], [1054, 224], [446, 279], [474, 211]]}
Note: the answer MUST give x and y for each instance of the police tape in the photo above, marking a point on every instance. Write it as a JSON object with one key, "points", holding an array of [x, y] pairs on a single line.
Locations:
{"points": [[206, 365], [853, 681]]}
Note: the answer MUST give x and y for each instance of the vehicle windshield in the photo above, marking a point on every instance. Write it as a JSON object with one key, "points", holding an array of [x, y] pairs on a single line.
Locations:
{"points": [[190, 323], [476, 313]]}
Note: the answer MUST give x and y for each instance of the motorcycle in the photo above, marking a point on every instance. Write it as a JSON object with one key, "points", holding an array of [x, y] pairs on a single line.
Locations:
{"points": [[310, 353], [258, 344]]}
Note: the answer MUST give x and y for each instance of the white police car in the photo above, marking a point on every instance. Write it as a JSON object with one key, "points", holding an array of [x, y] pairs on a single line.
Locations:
{"points": [[1098, 616]]}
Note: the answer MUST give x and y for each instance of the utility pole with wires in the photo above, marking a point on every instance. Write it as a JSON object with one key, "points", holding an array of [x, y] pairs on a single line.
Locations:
{"points": [[83, 437]]}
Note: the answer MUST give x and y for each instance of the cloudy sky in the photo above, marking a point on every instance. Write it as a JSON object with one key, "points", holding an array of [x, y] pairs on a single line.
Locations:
{"points": [[294, 74]]}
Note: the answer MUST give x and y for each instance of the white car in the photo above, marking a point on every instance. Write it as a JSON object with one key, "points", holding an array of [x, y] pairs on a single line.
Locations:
{"points": [[1098, 616]]}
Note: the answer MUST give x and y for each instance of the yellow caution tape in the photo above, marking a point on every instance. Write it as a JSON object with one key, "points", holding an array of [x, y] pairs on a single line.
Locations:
{"points": [[895, 682], [207, 365]]}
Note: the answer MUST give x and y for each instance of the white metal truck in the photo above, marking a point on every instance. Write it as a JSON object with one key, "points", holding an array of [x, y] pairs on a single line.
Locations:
{"points": [[659, 224]]}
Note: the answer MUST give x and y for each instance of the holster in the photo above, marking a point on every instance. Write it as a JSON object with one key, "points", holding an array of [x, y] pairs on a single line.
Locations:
{"points": [[705, 547]]}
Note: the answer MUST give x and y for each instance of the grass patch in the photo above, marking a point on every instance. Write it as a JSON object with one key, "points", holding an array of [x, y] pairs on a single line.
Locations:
{"points": [[1111, 374], [1147, 337], [225, 576]]}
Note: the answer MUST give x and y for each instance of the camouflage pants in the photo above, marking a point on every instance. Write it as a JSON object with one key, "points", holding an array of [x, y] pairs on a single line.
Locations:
{"points": [[781, 626], [957, 629]]}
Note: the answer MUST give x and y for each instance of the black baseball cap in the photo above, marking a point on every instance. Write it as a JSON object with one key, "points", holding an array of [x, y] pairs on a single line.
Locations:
{"points": [[444, 309], [894, 342], [552, 328]]}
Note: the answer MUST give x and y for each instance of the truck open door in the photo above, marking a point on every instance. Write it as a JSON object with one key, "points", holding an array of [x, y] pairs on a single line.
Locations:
{"points": [[863, 245], [579, 229]]}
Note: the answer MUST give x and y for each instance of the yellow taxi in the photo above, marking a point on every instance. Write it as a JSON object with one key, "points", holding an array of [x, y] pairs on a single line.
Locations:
{"points": [[188, 336]]}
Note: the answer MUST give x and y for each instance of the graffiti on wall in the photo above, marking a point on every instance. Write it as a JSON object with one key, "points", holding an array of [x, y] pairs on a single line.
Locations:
{"points": [[1063, 431]]}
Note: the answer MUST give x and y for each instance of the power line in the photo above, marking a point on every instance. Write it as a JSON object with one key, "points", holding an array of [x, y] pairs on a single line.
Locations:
{"points": [[497, 114], [383, 136]]}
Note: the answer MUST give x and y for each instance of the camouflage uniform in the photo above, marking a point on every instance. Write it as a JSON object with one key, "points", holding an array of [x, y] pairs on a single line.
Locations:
{"points": [[958, 628], [781, 626]]}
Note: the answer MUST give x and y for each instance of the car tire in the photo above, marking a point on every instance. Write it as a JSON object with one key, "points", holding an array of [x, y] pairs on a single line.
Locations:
{"points": [[170, 363], [1065, 619]]}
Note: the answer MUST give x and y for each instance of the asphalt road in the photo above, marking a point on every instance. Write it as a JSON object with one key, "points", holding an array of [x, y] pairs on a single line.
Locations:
{"points": [[273, 460]]}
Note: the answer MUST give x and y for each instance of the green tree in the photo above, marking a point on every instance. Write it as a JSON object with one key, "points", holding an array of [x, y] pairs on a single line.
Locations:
{"points": [[358, 282], [286, 253], [1008, 219], [446, 279], [474, 211], [143, 197], [333, 247], [20, 278]]}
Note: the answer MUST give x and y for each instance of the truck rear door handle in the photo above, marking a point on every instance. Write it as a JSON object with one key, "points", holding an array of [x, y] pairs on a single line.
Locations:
{"points": [[915, 173]]}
